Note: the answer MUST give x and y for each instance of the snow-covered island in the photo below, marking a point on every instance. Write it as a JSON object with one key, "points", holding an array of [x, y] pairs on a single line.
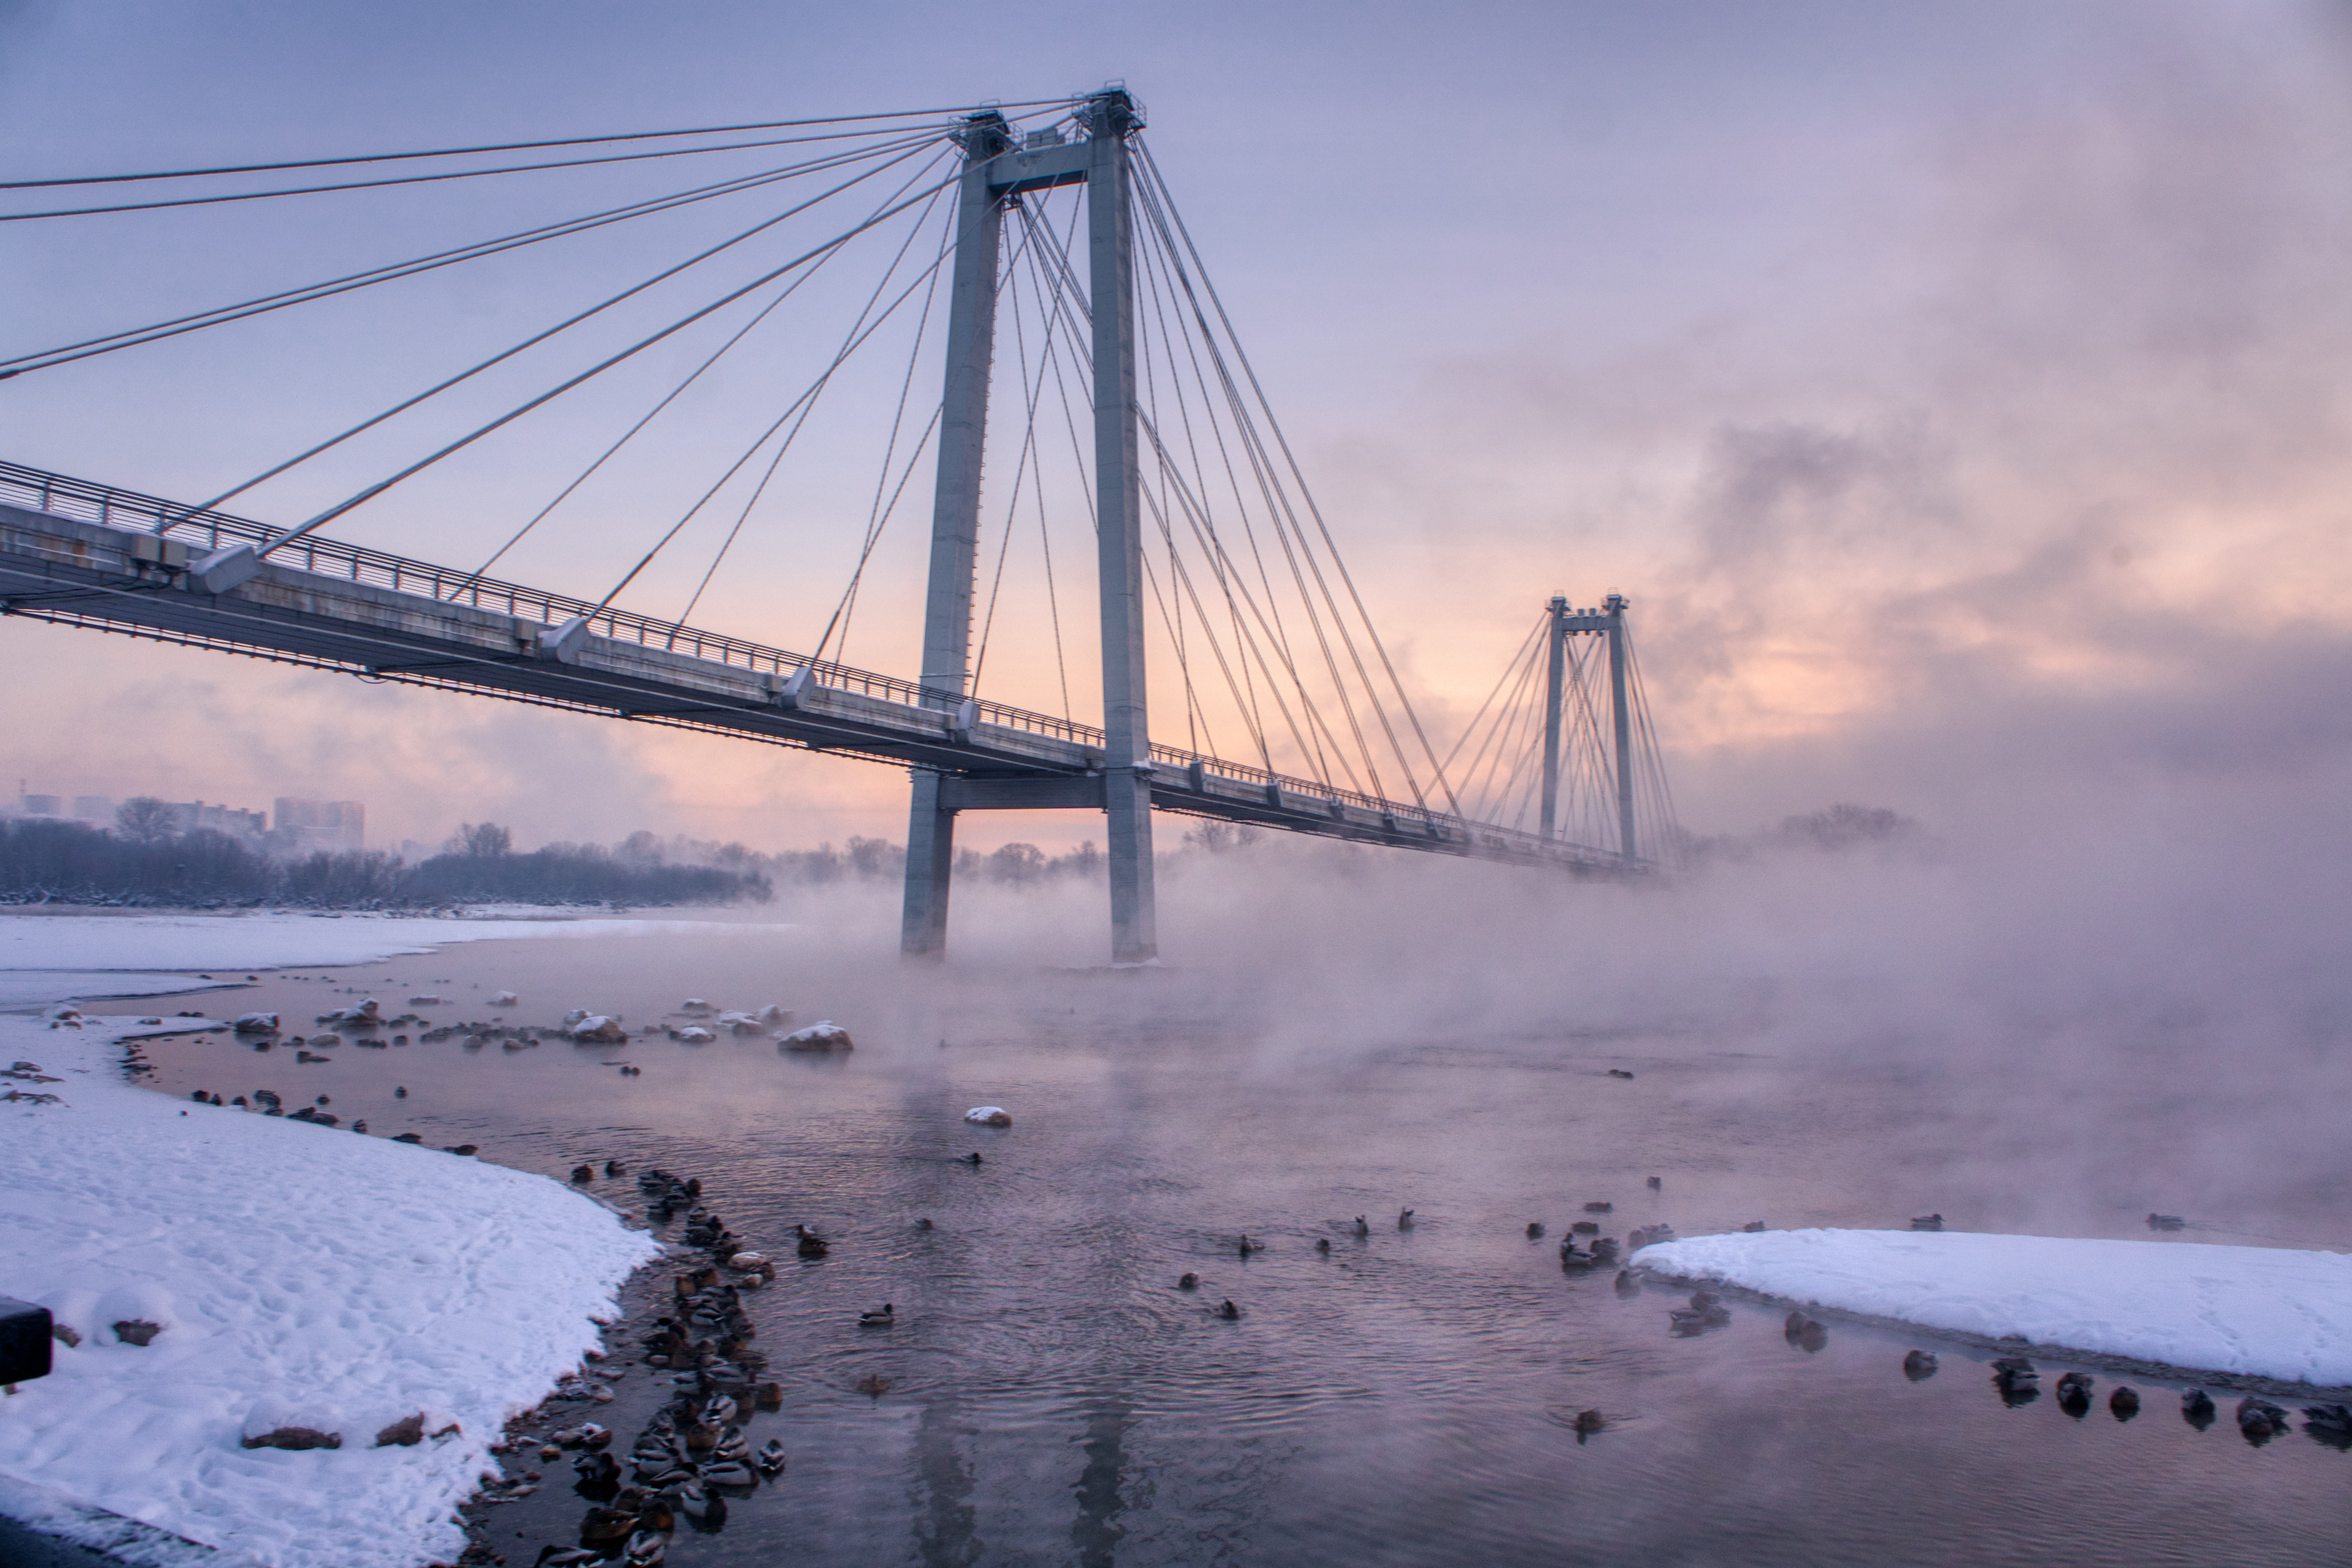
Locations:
{"points": [[2259, 1312], [297, 1276]]}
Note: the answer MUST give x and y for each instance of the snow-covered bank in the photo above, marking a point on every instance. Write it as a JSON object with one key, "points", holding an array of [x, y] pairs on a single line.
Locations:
{"points": [[2245, 1311], [273, 940], [356, 1279]]}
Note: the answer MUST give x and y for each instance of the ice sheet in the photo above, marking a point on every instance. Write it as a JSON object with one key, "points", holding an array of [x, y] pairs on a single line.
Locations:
{"points": [[2254, 1311]]}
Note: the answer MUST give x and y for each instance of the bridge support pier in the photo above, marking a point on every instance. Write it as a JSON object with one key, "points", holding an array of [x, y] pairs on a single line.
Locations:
{"points": [[994, 173], [955, 519]]}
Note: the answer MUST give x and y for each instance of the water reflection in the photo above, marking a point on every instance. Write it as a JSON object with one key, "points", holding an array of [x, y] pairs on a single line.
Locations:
{"points": [[1434, 1393]]}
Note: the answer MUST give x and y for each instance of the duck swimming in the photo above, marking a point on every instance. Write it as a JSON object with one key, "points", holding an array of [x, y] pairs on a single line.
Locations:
{"points": [[771, 1457], [1404, 1219], [1228, 1312], [882, 1318], [1535, 1230], [1188, 1282], [1919, 1365], [1360, 1228], [810, 1244], [2124, 1403]]}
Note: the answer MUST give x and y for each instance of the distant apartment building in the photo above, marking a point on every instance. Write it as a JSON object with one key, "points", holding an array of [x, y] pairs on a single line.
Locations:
{"points": [[187, 816], [304, 826]]}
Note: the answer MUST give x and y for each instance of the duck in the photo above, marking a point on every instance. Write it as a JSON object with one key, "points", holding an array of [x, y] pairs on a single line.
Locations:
{"points": [[1359, 1227], [614, 1168], [360, 1125], [1227, 1310], [1588, 1422], [1535, 1230], [1655, 1183], [1245, 1246], [2074, 1394], [646, 1548], [810, 1244], [771, 1457], [730, 1473], [1322, 1244], [1188, 1282], [924, 1224], [873, 1386], [1600, 1207], [598, 1468], [1927, 1221], [719, 1409], [703, 1507], [2259, 1420], [2124, 1403], [1627, 1286], [970, 1159], [881, 1318], [1919, 1365], [554, 1557], [400, 1092], [582, 1174], [1404, 1219]]}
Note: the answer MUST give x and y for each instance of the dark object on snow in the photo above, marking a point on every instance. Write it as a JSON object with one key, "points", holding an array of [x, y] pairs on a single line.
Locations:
{"points": [[1619, 1072], [584, 1174], [2124, 1403], [1754, 1225], [1919, 1365], [2074, 1394], [2166, 1222], [2197, 1408], [404, 1433], [26, 1341], [1927, 1221], [137, 1331], [1188, 1282], [1535, 1230], [1228, 1312], [295, 1438]]}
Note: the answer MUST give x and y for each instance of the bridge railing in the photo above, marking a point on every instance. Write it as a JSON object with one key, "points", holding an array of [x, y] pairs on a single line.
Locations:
{"points": [[64, 496]]}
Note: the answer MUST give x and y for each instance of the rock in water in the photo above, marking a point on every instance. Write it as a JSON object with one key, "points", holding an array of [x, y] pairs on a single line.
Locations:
{"points": [[827, 1036], [989, 1116]]}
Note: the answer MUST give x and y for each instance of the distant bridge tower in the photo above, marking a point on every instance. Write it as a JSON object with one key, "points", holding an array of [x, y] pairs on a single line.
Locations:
{"points": [[1609, 621], [995, 171]]}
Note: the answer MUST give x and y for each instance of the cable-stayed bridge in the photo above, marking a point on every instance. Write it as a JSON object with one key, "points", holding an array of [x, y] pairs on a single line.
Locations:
{"points": [[1207, 548]]}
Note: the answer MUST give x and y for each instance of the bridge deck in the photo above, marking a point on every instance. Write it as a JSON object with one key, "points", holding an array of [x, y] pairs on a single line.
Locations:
{"points": [[85, 554]]}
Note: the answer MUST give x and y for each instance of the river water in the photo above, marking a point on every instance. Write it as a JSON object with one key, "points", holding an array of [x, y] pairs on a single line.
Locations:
{"points": [[1408, 1398]]}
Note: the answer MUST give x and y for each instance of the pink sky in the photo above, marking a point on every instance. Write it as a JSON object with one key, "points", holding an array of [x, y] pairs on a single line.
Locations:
{"points": [[1958, 394]]}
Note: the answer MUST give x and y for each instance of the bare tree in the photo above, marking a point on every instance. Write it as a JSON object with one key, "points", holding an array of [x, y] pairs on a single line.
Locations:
{"points": [[480, 840], [143, 819]]}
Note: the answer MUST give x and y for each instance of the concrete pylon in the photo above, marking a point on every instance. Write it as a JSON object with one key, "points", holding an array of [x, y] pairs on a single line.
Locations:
{"points": [[955, 518]]}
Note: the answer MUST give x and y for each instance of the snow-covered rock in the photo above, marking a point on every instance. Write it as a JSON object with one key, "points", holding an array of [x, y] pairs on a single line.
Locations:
{"points": [[257, 1024], [596, 1028], [2252, 1312], [693, 1035], [741, 1023], [989, 1116], [827, 1036], [505, 999]]}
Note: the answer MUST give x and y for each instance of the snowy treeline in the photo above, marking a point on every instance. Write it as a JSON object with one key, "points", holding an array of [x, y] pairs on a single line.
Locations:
{"points": [[46, 861]]}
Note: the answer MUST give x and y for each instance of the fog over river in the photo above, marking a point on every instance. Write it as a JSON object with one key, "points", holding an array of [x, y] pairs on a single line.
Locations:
{"points": [[1813, 1040]]}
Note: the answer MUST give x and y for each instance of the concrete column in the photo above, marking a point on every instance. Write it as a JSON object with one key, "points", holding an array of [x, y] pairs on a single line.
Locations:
{"points": [[1119, 507], [1615, 606], [955, 521], [1551, 715]]}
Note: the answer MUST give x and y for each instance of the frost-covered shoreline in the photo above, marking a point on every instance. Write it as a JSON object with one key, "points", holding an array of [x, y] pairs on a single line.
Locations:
{"points": [[350, 1276], [2267, 1317]]}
